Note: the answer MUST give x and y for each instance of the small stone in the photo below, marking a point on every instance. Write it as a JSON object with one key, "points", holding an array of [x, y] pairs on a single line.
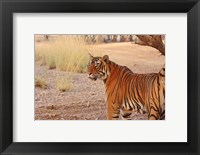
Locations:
{"points": [[51, 107], [41, 106], [88, 104]]}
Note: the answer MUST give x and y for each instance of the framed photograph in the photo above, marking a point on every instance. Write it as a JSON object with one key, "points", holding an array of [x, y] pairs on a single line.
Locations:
{"points": [[106, 77]]}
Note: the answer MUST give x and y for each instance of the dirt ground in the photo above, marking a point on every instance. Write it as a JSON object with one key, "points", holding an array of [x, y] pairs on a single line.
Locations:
{"points": [[86, 99]]}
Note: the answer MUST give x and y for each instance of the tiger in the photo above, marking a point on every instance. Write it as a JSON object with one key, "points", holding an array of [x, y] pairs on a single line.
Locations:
{"points": [[127, 91]]}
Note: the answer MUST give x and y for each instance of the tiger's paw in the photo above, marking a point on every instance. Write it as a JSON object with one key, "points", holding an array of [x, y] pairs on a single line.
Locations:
{"points": [[142, 111]]}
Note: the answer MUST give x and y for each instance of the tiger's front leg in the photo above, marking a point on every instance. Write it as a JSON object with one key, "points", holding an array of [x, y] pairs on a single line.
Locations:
{"points": [[113, 111], [125, 115]]}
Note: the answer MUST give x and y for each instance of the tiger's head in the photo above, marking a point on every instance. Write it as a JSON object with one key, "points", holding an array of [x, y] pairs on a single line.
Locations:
{"points": [[98, 67]]}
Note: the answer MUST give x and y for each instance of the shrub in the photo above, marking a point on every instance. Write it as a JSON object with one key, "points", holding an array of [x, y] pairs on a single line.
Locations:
{"points": [[64, 84], [66, 53], [40, 82]]}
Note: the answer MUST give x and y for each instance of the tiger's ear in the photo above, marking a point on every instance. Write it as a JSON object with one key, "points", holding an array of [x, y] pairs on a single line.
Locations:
{"points": [[105, 58], [90, 56]]}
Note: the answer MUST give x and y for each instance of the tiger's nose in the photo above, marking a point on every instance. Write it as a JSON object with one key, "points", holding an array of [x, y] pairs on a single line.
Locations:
{"points": [[90, 75]]}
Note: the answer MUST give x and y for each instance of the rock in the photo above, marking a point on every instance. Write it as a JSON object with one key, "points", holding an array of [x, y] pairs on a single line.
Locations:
{"points": [[51, 107], [88, 104]]}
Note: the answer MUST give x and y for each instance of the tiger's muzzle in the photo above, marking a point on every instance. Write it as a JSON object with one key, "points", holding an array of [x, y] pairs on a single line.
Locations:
{"points": [[92, 77]]}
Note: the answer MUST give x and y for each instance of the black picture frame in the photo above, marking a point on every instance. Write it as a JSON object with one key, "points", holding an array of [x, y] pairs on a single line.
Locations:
{"points": [[8, 7]]}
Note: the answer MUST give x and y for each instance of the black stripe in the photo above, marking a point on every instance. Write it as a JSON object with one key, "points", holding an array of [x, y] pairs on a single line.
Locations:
{"points": [[151, 107], [158, 81], [119, 78], [162, 116], [126, 115], [161, 75], [154, 103], [152, 115], [115, 116], [158, 94]]}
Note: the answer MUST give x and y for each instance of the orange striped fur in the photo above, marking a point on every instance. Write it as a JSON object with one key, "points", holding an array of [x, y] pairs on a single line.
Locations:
{"points": [[127, 91]]}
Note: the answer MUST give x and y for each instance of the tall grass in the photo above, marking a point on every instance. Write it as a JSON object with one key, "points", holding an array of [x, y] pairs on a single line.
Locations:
{"points": [[66, 53]]}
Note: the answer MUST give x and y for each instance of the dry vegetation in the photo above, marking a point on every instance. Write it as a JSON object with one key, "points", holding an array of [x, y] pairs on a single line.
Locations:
{"points": [[63, 53], [40, 82], [64, 83]]}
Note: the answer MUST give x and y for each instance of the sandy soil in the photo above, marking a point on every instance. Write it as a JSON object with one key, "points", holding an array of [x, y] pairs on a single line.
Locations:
{"points": [[85, 101]]}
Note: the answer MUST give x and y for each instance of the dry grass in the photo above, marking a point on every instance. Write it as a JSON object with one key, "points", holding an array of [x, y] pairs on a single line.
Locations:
{"points": [[40, 82], [64, 84], [63, 53]]}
